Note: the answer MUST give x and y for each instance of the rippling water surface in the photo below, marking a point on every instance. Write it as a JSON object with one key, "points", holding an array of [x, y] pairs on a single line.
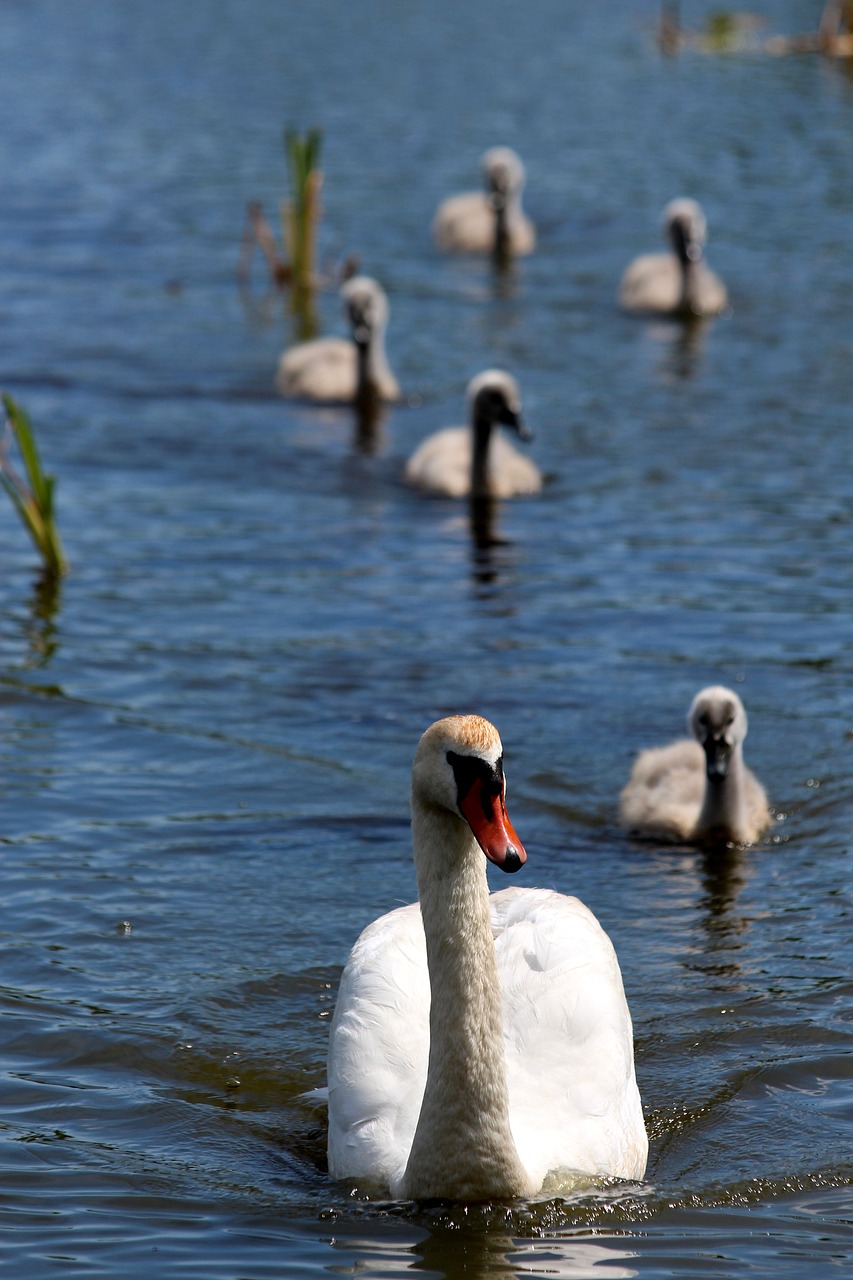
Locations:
{"points": [[206, 731]]}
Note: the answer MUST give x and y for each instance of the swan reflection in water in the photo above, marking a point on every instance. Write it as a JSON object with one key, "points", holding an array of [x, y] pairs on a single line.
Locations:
{"points": [[460, 1248], [491, 557], [723, 875], [682, 347], [369, 414], [41, 628]]}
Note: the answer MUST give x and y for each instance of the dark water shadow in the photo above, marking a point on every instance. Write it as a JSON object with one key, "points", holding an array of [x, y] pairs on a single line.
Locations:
{"points": [[490, 558], [470, 1243], [41, 628], [369, 415], [719, 873], [683, 340], [723, 873], [470, 1253], [504, 276]]}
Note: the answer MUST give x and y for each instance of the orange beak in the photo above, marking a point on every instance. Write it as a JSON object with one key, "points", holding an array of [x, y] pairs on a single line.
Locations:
{"points": [[487, 817]]}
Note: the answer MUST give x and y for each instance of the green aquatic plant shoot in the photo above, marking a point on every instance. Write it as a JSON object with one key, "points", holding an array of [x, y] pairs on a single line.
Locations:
{"points": [[299, 217], [301, 213], [32, 498]]}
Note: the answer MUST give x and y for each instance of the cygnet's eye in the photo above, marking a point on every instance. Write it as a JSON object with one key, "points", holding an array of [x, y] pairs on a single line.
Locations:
{"points": [[703, 719]]}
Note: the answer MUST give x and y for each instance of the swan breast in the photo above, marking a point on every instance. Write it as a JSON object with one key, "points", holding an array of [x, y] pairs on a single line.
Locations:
{"points": [[663, 796], [465, 223], [379, 1049], [573, 1098], [323, 369], [574, 1102], [653, 283], [442, 465]]}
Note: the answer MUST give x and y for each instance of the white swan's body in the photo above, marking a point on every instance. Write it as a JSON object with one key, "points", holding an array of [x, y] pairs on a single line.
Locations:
{"points": [[339, 369], [698, 788], [490, 221], [476, 460], [517, 1073], [676, 283]]}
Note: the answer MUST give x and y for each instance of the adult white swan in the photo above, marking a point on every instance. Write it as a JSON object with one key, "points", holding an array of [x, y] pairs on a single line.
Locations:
{"points": [[490, 221], [481, 1046], [680, 282], [337, 369], [476, 460], [698, 788]]}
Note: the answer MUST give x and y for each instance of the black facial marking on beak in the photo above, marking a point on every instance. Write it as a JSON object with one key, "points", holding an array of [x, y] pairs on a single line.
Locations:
{"points": [[480, 790], [468, 769]]}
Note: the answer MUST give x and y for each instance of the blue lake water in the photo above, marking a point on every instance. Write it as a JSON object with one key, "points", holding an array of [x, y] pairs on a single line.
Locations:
{"points": [[206, 732]]}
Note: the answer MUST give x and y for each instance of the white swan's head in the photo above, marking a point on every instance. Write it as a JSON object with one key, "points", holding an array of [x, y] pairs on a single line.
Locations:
{"points": [[458, 767], [684, 225], [718, 722], [494, 397], [366, 307], [503, 172]]}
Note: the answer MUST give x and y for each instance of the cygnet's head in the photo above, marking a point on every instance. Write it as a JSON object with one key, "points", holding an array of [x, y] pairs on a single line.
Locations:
{"points": [[717, 721], [366, 307], [494, 397], [684, 225], [503, 173], [458, 767]]}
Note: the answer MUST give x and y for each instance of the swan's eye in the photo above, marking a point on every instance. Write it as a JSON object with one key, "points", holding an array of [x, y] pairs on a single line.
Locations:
{"points": [[703, 719]]}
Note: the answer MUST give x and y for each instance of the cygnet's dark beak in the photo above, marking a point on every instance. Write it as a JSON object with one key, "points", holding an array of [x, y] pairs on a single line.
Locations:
{"points": [[514, 419], [717, 753]]}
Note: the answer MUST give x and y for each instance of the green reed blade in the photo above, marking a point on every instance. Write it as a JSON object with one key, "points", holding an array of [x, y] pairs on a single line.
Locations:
{"points": [[302, 211], [33, 501]]}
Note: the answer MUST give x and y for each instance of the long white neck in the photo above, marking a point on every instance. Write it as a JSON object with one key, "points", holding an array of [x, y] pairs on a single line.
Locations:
{"points": [[724, 807], [463, 1146]]}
